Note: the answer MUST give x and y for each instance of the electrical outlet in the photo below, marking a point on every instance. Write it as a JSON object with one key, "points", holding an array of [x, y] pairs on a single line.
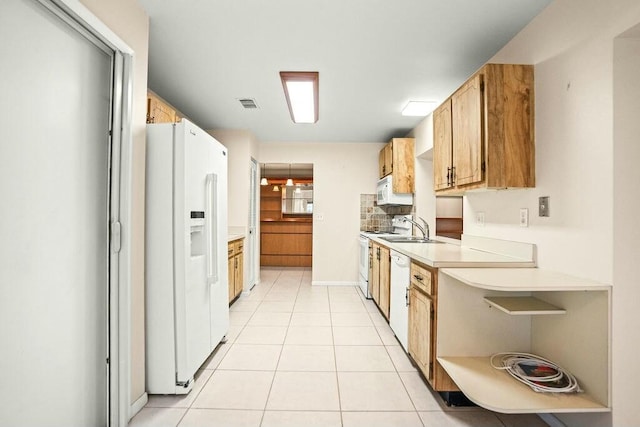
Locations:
{"points": [[543, 206], [524, 217], [319, 217], [480, 219]]}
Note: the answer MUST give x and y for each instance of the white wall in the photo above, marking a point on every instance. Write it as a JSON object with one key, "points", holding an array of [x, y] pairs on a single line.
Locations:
{"points": [[626, 233], [574, 166], [242, 145], [586, 154], [449, 207], [425, 198], [341, 172]]}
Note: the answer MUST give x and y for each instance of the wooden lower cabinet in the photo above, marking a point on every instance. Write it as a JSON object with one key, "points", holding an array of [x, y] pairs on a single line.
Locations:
{"points": [[423, 318], [385, 281], [379, 277], [420, 330], [235, 264], [286, 243], [374, 273]]}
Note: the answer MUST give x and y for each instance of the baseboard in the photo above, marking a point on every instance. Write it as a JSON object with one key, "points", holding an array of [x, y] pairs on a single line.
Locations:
{"points": [[339, 283], [138, 405]]}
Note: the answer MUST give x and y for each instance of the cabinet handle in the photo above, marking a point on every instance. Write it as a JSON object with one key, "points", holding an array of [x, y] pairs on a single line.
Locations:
{"points": [[448, 176], [420, 278], [406, 297], [453, 175]]}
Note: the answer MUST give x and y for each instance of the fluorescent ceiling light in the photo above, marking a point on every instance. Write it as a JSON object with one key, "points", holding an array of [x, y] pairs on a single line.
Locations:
{"points": [[419, 108], [301, 91]]}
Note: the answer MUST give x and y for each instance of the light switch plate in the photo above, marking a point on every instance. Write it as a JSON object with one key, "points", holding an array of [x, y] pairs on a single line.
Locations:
{"points": [[524, 217], [543, 206]]}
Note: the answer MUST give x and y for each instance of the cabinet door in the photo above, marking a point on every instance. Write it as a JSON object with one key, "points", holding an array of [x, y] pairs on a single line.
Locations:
{"points": [[159, 112], [385, 160], [420, 331], [385, 281], [374, 278], [232, 276], [403, 165], [467, 120], [239, 279], [442, 155]]}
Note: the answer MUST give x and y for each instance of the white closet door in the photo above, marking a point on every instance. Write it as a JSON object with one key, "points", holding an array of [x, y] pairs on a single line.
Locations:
{"points": [[54, 146]]}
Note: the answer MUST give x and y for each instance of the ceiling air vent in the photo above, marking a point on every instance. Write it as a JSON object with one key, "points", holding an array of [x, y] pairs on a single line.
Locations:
{"points": [[248, 103]]}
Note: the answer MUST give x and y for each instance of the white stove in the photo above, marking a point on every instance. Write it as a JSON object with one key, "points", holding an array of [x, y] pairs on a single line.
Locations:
{"points": [[400, 227]]}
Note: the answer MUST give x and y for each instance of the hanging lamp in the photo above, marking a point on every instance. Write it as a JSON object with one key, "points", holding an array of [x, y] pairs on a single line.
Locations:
{"points": [[264, 181], [289, 181]]}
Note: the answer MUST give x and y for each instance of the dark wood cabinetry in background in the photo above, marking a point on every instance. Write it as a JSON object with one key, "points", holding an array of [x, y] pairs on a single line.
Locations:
{"points": [[285, 240]]}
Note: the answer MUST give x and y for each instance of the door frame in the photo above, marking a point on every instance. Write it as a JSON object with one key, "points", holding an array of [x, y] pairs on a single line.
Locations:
{"points": [[119, 226]]}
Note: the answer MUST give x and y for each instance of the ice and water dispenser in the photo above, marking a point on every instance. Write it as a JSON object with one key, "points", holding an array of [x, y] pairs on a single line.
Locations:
{"points": [[197, 225]]}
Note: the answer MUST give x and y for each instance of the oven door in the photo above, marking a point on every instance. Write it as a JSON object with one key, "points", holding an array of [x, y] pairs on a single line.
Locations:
{"points": [[363, 268]]}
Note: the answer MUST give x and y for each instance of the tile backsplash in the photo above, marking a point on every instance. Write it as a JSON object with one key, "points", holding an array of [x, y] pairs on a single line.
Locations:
{"points": [[378, 218]]}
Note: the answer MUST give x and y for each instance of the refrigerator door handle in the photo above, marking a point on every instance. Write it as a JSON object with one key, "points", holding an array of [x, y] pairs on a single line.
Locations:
{"points": [[211, 189]]}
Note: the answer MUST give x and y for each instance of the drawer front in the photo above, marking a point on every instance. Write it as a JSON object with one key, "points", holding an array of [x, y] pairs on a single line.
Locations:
{"points": [[230, 249], [421, 278], [238, 246]]}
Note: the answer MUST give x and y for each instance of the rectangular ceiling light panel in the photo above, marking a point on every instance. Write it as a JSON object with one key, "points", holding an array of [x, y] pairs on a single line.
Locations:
{"points": [[419, 108], [301, 91]]}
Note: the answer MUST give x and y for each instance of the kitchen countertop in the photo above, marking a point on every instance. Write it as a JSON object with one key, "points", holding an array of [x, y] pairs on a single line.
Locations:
{"points": [[234, 236], [442, 255], [522, 279]]}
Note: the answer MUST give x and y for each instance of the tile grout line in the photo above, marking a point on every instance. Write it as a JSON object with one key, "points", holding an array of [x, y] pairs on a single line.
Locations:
{"points": [[335, 358], [266, 402]]}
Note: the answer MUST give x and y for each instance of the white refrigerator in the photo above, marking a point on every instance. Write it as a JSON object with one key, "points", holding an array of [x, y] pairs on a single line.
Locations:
{"points": [[187, 311]]}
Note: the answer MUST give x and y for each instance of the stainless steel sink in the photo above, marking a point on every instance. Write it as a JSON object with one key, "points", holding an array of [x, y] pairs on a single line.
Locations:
{"points": [[409, 239]]}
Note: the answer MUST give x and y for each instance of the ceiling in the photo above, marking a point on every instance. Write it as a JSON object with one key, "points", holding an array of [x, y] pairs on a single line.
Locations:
{"points": [[373, 57]]}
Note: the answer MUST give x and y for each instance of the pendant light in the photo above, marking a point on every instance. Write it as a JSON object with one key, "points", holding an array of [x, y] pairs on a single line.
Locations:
{"points": [[276, 188], [264, 181], [289, 181]]}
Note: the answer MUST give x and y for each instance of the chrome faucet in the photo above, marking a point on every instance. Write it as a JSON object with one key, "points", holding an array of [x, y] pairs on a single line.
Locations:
{"points": [[425, 230]]}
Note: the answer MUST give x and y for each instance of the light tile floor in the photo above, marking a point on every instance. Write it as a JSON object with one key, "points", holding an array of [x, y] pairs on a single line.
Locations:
{"points": [[300, 355]]}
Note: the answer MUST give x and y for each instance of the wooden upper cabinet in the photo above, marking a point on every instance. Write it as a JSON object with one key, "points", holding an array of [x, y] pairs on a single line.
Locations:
{"points": [[466, 108], [397, 159], [159, 111], [385, 160], [442, 153], [491, 132]]}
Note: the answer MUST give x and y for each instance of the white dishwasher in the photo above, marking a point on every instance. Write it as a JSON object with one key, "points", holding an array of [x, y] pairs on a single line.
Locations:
{"points": [[399, 295]]}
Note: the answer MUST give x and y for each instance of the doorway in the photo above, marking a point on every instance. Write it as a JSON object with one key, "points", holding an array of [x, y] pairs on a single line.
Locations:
{"points": [[286, 214], [63, 91]]}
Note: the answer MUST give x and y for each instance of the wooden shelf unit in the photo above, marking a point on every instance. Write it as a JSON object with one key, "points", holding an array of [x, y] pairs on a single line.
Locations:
{"points": [[523, 305], [470, 330], [498, 391]]}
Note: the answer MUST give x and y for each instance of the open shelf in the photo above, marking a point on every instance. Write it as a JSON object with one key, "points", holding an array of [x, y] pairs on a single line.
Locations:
{"points": [[498, 391], [524, 305]]}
